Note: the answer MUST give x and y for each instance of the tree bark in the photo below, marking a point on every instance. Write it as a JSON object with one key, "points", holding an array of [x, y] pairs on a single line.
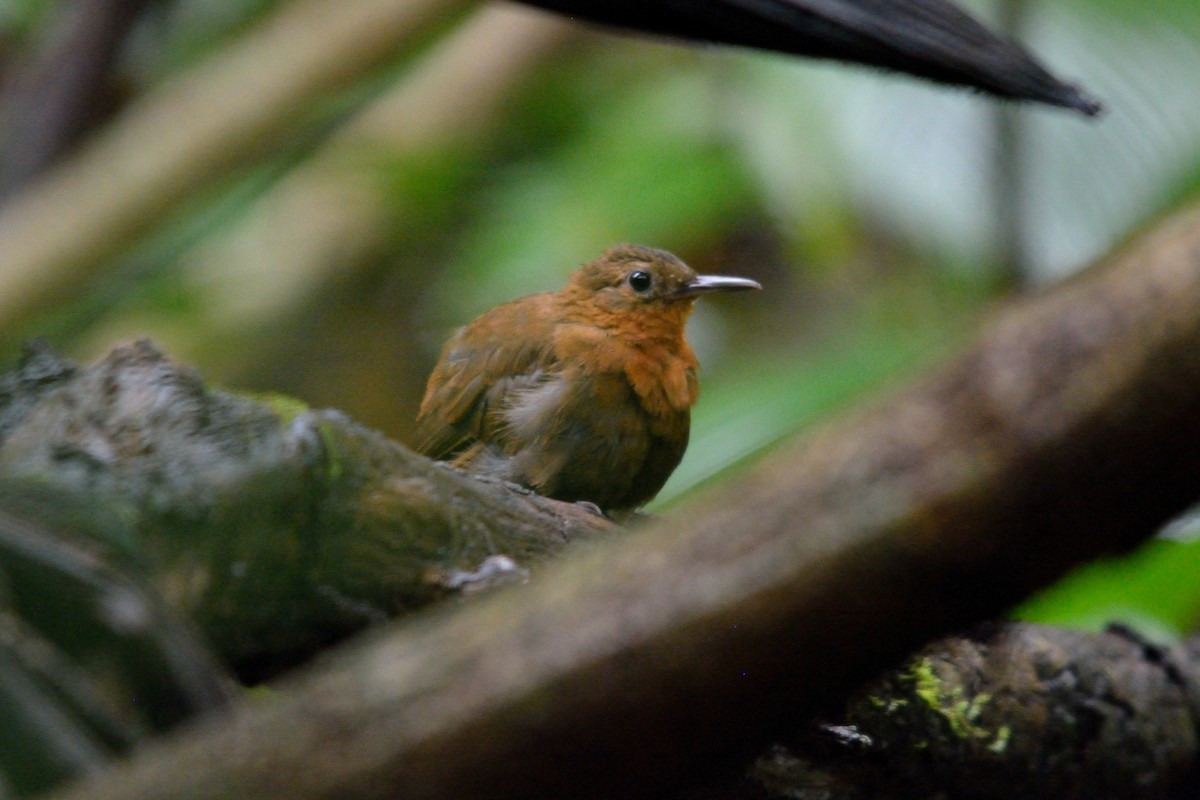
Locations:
{"points": [[1009, 710], [276, 528], [656, 661]]}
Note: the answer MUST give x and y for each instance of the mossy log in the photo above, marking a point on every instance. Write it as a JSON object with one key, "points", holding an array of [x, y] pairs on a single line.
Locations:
{"points": [[1008, 710], [276, 528]]}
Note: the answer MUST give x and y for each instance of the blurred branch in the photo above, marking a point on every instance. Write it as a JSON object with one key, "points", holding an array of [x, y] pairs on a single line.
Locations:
{"points": [[186, 135], [339, 207], [58, 89], [1066, 431]]}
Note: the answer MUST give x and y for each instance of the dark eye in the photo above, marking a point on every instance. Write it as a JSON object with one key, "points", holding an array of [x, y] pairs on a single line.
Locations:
{"points": [[640, 280]]}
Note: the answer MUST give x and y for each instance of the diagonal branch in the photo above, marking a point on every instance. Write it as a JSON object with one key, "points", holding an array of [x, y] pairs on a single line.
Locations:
{"points": [[176, 141], [1066, 431]]}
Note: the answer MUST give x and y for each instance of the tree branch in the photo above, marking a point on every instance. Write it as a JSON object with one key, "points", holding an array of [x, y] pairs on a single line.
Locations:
{"points": [[185, 135], [276, 528], [1066, 431], [1008, 710], [328, 215]]}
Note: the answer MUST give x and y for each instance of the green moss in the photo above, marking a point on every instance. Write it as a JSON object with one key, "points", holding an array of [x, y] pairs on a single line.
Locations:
{"points": [[333, 461], [262, 693], [888, 704], [951, 704], [1003, 734], [286, 406]]}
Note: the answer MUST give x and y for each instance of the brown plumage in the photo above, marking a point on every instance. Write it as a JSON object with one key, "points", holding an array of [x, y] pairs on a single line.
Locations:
{"points": [[580, 394]]}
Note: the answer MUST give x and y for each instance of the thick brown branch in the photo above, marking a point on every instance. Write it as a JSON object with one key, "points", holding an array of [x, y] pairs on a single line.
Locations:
{"points": [[1067, 430]]}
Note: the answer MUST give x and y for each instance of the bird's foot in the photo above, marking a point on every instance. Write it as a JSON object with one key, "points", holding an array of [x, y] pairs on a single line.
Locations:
{"points": [[592, 508], [496, 570]]}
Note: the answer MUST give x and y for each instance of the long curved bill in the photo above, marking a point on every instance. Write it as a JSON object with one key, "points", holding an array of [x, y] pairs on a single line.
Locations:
{"points": [[703, 284]]}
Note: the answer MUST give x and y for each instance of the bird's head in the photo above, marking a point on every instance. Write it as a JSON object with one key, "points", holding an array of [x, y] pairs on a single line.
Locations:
{"points": [[629, 278]]}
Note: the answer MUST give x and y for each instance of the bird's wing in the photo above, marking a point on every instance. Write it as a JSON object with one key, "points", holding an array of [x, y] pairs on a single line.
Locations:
{"points": [[505, 350]]}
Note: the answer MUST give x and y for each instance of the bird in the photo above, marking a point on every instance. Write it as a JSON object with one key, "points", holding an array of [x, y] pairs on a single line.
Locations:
{"points": [[581, 395]]}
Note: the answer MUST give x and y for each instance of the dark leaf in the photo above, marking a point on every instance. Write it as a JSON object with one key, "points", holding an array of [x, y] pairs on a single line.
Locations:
{"points": [[932, 39]]}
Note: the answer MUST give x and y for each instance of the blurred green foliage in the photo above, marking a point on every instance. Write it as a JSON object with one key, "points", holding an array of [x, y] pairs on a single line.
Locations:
{"points": [[1152, 590]]}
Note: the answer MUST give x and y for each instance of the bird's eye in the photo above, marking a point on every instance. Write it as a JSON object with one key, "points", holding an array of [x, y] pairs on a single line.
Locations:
{"points": [[640, 280]]}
